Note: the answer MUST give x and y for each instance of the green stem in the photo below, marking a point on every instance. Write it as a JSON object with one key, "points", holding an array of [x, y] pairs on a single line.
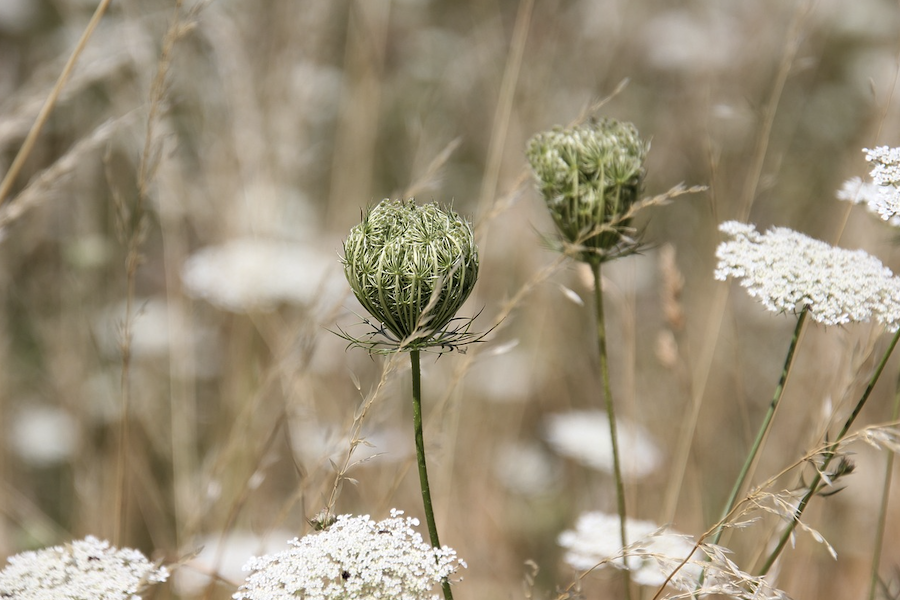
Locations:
{"points": [[420, 458], [885, 496], [611, 417], [829, 454], [764, 428]]}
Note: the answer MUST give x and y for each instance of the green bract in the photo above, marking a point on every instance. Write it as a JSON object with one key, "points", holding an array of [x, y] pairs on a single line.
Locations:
{"points": [[412, 267], [590, 175]]}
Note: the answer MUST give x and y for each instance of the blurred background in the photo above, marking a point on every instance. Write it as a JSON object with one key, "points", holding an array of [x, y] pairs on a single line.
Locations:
{"points": [[275, 126]]}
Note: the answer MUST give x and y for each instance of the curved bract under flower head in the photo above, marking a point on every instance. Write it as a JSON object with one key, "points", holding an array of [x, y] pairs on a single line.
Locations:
{"points": [[412, 267], [353, 558], [590, 175], [788, 271]]}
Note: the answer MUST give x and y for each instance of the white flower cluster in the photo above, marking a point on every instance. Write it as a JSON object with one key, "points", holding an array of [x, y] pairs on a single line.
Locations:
{"points": [[82, 570], [652, 552], [788, 271], [583, 435], [353, 558], [882, 195], [655, 555]]}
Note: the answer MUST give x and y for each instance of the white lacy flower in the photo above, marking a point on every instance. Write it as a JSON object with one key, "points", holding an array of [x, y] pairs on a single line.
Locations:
{"points": [[584, 437], [887, 165], [83, 570], [788, 271], [883, 200], [353, 558], [653, 552]]}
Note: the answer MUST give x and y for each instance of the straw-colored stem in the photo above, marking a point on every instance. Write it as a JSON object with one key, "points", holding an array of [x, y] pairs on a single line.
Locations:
{"points": [[885, 497], [611, 417], [829, 455], [420, 458]]}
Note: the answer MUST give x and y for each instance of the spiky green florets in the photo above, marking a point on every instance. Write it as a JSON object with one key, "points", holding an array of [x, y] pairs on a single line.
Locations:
{"points": [[412, 267], [590, 175]]}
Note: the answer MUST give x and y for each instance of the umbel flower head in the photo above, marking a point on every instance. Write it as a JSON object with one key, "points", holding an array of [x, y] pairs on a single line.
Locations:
{"points": [[412, 267], [590, 176], [354, 558], [82, 570], [788, 271], [882, 194]]}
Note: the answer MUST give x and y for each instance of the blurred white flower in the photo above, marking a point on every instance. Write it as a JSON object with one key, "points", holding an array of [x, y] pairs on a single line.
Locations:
{"points": [[882, 196], [584, 437], [353, 558], [787, 271], [226, 558], [653, 552], [525, 468], [88, 568], [43, 435], [249, 274]]}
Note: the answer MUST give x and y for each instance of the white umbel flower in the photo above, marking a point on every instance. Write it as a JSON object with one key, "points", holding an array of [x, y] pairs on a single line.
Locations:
{"points": [[882, 200], [882, 195], [583, 435], [83, 570], [353, 558], [788, 271], [652, 553]]}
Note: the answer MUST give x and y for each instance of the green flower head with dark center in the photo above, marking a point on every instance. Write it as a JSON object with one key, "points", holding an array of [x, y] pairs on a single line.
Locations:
{"points": [[412, 267], [590, 176]]}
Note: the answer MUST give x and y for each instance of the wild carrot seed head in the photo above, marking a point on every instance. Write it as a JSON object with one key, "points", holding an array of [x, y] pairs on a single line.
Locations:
{"points": [[589, 176], [412, 267]]}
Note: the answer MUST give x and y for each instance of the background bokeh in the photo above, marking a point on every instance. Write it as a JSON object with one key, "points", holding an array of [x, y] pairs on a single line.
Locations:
{"points": [[280, 122]]}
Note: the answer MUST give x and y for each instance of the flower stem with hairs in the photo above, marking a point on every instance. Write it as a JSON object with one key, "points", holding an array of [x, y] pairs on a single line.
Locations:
{"points": [[764, 427], [816, 484], [420, 460], [611, 416]]}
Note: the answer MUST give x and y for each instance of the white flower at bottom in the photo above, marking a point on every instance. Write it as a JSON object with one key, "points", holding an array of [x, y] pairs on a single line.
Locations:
{"points": [[652, 553], [83, 570], [353, 558], [788, 271]]}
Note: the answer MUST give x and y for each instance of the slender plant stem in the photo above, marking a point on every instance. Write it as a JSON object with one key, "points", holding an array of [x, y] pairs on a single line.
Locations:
{"points": [[764, 428], [885, 497], [611, 417], [829, 455], [420, 458]]}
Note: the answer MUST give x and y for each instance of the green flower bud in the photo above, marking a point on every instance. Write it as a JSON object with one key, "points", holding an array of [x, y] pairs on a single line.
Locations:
{"points": [[590, 175], [412, 267]]}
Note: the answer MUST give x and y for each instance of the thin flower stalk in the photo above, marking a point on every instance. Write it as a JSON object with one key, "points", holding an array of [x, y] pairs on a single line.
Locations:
{"points": [[815, 486], [764, 427], [611, 415], [420, 461]]}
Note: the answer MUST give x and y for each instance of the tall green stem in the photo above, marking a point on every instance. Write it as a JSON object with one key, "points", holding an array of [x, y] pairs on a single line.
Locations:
{"points": [[611, 417], [764, 428], [829, 455], [420, 458]]}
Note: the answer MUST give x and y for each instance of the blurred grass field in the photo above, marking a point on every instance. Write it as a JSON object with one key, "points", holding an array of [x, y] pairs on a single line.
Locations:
{"points": [[278, 123]]}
